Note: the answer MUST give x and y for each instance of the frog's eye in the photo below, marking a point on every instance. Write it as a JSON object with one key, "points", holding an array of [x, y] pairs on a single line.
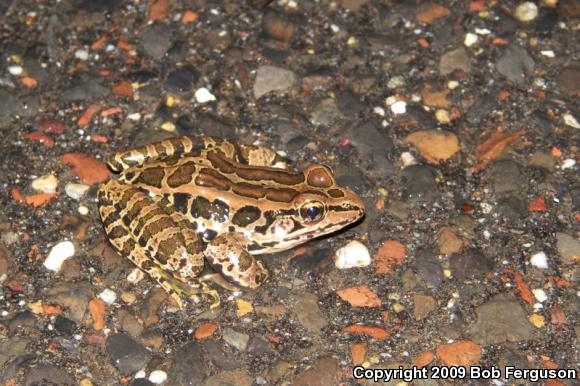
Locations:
{"points": [[312, 211]]}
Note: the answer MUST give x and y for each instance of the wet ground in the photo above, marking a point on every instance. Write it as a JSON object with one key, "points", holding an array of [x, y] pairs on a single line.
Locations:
{"points": [[456, 122]]}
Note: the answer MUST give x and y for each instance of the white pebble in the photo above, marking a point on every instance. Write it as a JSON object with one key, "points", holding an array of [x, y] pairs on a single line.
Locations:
{"points": [[202, 95], [108, 296], [399, 107], [539, 260], [452, 84], [571, 121], [486, 208], [482, 31], [58, 254], [540, 295], [83, 210], [379, 111], [45, 184], [76, 191], [157, 377], [15, 70], [135, 276], [548, 53], [408, 159], [568, 163], [527, 11], [353, 254], [470, 39], [82, 55], [396, 81], [140, 374], [134, 117]]}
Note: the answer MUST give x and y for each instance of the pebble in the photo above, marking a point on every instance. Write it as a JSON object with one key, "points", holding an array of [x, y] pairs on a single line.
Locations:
{"points": [[45, 184], [157, 377], [127, 355], [457, 59], [548, 53], [399, 107], [15, 70], [83, 210], [568, 163], [470, 39], [9, 105], [135, 276], [501, 320], [353, 254], [540, 295], [396, 82], [108, 296], [442, 116], [571, 121], [181, 80], [419, 184], [526, 12], [271, 78], [470, 264], [515, 64], [189, 365], [58, 254], [568, 247], [82, 55], [539, 260], [156, 39], [506, 176], [202, 95], [408, 159], [308, 312], [237, 339], [76, 191]]}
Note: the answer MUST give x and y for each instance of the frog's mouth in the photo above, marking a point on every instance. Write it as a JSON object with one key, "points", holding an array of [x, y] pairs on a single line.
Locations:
{"points": [[287, 232]]}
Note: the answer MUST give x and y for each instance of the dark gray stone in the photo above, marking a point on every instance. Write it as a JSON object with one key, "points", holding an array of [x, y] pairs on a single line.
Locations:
{"points": [[428, 267], [308, 312], [506, 176], [46, 375], [84, 88], [156, 39], [500, 320], [188, 366], [457, 59], [127, 355], [515, 64], [513, 208], [470, 264], [419, 184], [350, 104], [8, 105], [64, 325], [181, 80]]}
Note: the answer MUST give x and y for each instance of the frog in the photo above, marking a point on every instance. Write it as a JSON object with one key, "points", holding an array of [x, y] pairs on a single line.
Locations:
{"points": [[178, 203]]}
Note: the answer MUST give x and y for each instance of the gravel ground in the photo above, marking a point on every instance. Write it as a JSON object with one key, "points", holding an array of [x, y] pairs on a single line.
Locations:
{"points": [[456, 122]]}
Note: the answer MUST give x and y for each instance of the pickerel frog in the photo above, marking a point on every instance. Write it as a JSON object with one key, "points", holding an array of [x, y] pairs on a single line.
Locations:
{"points": [[179, 202]]}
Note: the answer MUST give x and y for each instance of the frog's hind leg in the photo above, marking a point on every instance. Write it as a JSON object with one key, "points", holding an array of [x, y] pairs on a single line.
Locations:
{"points": [[139, 229], [227, 254]]}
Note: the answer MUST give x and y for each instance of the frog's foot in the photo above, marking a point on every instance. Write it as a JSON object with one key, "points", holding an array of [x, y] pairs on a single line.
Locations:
{"points": [[179, 290], [227, 254]]}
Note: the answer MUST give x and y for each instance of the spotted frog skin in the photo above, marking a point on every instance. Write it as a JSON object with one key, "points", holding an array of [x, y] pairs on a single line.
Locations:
{"points": [[183, 201]]}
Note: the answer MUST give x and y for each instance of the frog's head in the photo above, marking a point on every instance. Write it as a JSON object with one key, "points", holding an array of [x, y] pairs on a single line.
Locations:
{"points": [[320, 208]]}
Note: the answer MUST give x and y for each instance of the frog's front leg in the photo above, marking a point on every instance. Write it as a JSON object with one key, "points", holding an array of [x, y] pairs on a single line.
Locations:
{"points": [[227, 254], [140, 229]]}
